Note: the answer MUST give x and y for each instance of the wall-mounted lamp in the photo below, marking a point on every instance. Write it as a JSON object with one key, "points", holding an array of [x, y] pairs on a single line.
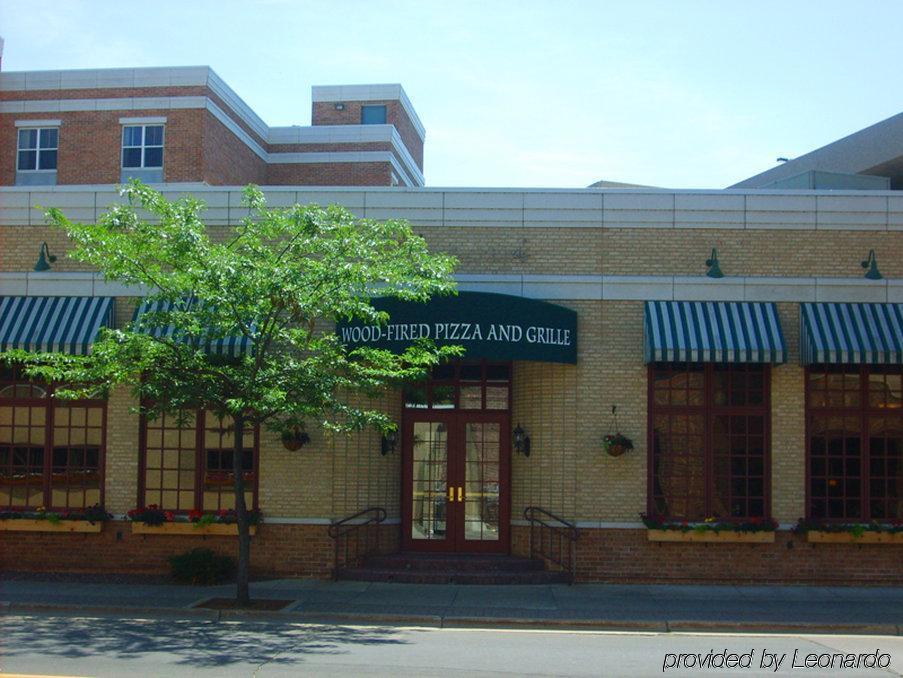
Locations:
{"points": [[295, 438], [388, 442], [44, 262], [340, 106], [714, 269], [872, 265], [521, 441]]}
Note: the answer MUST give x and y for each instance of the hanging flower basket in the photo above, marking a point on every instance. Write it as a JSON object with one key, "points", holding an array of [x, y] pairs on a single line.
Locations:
{"points": [[295, 439], [616, 444]]}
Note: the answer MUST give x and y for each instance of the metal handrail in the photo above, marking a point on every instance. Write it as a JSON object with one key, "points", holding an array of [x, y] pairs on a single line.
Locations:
{"points": [[355, 524], [378, 518], [556, 526]]}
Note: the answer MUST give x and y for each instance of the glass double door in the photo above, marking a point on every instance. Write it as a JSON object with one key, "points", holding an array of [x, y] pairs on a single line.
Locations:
{"points": [[456, 482]]}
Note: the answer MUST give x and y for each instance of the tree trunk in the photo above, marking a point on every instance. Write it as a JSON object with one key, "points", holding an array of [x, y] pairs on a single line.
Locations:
{"points": [[242, 594]]}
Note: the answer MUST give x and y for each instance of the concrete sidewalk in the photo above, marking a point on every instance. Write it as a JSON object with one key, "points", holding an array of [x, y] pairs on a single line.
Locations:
{"points": [[637, 607]]}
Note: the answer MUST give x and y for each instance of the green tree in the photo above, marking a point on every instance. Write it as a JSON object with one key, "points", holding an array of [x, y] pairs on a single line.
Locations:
{"points": [[277, 285]]}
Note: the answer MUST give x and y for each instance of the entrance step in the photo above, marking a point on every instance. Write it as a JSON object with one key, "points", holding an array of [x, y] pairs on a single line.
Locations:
{"points": [[420, 568]]}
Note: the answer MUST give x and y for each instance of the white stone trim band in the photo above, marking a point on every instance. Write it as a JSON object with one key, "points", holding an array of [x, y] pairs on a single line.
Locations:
{"points": [[547, 287], [590, 209], [153, 120], [39, 123]]}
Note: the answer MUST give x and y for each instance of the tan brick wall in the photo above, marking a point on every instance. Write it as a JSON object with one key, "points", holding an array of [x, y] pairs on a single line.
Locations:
{"points": [[567, 409], [574, 251], [120, 475], [788, 431], [747, 253]]}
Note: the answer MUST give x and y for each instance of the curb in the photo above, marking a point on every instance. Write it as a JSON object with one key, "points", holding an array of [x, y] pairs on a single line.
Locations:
{"points": [[458, 622], [825, 628], [118, 610]]}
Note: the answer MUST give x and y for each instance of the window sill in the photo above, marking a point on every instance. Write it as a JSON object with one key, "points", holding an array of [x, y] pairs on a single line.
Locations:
{"points": [[819, 537], [710, 536], [190, 529], [32, 525]]}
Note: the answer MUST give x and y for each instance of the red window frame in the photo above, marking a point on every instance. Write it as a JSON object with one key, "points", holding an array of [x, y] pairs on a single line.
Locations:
{"points": [[710, 411], [849, 475], [198, 449], [456, 376], [75, 476]]}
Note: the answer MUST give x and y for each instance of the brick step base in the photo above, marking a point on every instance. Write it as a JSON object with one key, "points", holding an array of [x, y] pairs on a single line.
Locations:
{"points": [[430, 562], [429, 568], [447, 577]]}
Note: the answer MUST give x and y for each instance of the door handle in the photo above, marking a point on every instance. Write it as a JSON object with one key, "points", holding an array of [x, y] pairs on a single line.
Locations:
{"points": [[451, 495], [460, 494]]}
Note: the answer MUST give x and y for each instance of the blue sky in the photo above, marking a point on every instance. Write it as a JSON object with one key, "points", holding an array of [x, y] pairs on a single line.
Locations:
{"points": [[528, 94]]}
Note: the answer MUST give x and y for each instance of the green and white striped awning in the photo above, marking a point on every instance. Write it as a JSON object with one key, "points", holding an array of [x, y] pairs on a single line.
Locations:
{"points": [[851, 334], [713, 332], [53, 324], [228, 346]]}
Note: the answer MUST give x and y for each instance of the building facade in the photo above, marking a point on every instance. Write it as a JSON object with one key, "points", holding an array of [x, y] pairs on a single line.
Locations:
{"points": [[770, 393]]}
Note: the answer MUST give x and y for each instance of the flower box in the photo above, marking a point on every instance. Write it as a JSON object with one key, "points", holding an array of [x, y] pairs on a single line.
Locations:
{"points": [[711, 536], [867, 537], [34, 525], [190, 529]]}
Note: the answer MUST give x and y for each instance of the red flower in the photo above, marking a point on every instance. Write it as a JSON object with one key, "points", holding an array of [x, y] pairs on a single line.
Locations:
{"points": [[195, 515], [170, 517]]}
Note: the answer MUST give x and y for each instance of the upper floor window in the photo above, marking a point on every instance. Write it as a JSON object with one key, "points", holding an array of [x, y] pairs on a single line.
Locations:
{"points": [[142, 146], [373, 115], [37, 149]]}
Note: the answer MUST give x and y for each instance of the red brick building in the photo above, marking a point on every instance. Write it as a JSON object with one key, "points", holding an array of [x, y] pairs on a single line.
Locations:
{"points": [[185, 125]]}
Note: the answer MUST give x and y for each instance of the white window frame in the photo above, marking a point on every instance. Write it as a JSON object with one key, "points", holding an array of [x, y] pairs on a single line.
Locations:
{"points": [[40, 129], [143, 146]]}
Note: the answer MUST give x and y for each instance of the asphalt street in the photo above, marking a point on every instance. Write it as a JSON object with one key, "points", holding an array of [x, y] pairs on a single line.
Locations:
{"points": [[85, 646]]}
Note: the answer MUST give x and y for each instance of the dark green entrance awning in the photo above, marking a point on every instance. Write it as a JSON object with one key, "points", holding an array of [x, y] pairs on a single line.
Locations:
{"points": [[486, 325], [713, 331], [228, 346], [53, 324], [851, 334]]}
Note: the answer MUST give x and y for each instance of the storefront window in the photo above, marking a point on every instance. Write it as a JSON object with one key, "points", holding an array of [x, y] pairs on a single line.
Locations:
{"points": [[51, 451], [187, 463], [709, 451], [855, 442]]}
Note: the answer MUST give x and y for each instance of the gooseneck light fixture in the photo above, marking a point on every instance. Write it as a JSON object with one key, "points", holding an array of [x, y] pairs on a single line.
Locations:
{"points": [[714, 269], [521, 441], [388, 442], [45, 258], [872, 265]]}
